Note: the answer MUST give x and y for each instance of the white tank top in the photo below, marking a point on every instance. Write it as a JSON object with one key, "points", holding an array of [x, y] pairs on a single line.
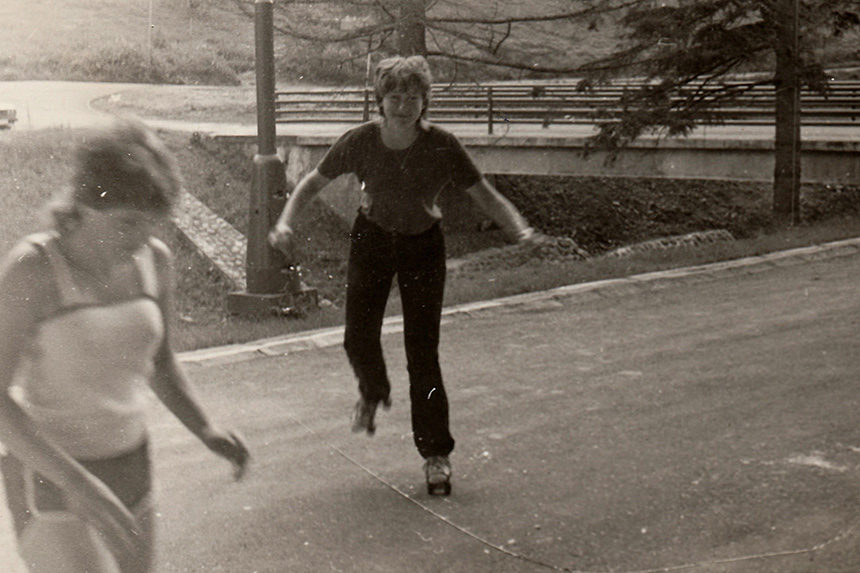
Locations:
{"points": [[85, 379]]}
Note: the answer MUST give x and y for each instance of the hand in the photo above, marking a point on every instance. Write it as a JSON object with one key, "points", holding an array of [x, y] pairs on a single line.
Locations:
{"points": [[92, 501], [548, 246], [534, 238], [230, 447], [282, 238]]}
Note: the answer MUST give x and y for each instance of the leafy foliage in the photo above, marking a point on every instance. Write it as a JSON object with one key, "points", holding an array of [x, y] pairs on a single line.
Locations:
{"points": [[684, 50]]}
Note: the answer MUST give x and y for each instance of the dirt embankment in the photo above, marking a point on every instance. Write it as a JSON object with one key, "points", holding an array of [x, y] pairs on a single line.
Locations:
{"points": [[605, 213]]}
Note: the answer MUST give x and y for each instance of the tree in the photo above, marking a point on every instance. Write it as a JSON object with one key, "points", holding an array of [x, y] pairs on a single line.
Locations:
{"points": [[681, 49], [694, 44], [466, 40], [411, 31]]}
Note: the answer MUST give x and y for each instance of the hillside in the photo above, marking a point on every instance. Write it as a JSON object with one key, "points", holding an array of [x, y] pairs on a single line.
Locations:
{"points": [[599, 214], [109, 40], [212, 42]]}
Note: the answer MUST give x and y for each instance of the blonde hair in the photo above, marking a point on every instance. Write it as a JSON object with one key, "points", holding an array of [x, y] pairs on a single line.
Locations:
{"points": [[403, 74]]}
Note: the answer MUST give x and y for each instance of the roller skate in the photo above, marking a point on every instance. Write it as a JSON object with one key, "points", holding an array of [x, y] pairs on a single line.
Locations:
{"points": [[437, 469], [364, 415]]}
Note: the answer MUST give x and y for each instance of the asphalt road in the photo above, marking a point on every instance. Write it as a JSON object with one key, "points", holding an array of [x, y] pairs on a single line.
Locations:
{"points": [[51, 104], [703, 423]]}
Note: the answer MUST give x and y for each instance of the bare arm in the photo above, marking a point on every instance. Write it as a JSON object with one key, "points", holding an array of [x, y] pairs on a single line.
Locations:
{"points": [[281, 236], [501, 210], [171, 385]]}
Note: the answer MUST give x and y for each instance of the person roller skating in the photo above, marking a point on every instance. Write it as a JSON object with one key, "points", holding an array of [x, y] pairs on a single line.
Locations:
{"points": [[403, 163]]}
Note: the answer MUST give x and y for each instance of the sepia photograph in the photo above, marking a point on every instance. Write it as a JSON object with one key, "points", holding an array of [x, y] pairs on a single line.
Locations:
{"points": [[408, 286]]}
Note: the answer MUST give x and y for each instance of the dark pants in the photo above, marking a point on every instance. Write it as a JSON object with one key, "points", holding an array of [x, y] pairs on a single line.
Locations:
{"points": [[418, 261]]}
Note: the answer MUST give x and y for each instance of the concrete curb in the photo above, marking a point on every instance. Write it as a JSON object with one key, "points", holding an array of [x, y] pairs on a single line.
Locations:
{"points": [[323, 338]]}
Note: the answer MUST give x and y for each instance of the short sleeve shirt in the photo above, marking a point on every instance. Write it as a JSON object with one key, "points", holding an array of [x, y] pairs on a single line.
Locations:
{"points": [[400, 188]]}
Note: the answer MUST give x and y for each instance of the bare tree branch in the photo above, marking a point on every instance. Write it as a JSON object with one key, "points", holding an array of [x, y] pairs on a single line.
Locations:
{"points": [[598, 9]]}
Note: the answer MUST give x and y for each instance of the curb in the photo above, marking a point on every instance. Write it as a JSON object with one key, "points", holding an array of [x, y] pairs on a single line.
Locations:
{"points": [[323, 338]]}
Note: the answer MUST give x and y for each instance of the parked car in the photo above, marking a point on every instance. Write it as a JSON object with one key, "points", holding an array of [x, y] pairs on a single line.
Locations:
{"points": [[8, 115]]}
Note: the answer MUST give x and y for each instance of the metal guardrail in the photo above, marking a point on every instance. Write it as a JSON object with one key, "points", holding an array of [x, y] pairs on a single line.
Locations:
{"points": [[561, 103]]}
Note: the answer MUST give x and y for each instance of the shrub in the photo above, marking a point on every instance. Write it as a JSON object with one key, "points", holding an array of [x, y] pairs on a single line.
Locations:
{"points": [[121, 62], [116, 63]]}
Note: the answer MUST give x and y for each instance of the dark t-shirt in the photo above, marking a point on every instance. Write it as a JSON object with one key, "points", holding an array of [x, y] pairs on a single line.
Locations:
{"points": [[400, 188]]}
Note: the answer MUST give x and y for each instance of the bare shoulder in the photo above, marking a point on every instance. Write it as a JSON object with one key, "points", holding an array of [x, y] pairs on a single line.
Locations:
{"points": [[27, 280], [26, 260], [160, 251], [162, 257]]}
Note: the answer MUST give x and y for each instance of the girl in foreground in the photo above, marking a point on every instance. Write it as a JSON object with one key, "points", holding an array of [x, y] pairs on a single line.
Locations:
{"points": [[84, 311]]}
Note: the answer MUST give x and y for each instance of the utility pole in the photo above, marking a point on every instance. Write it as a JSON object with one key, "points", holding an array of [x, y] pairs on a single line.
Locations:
{"points": [[149, 27], [787, 142], [273, 285], [365, 116]]}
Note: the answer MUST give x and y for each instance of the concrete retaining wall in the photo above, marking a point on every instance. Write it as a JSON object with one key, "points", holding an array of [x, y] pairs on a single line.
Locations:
{"points": [[835, 162]]}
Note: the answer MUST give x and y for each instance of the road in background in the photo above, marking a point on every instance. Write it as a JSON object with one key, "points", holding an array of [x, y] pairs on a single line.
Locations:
{"points": [[48, 104]]}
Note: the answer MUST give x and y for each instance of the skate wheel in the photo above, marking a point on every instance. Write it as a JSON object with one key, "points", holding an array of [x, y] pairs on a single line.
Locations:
{"points": [[443, 488]]}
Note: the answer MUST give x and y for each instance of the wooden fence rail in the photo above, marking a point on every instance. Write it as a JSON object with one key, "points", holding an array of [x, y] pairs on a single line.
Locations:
{"points": [[560, 103]]}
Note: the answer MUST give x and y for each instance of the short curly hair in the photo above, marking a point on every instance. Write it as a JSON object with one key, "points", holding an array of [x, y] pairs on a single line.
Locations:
{"points": [[125, 165], [399, 73]]}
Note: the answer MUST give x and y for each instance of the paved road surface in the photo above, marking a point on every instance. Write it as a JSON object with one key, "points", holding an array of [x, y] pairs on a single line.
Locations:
{"points": [[704, 423], [51, 104], [44, 104]]}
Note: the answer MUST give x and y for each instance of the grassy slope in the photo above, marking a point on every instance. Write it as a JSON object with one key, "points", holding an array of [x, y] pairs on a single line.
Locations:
{"points": [[210, 42], [97, 39]]}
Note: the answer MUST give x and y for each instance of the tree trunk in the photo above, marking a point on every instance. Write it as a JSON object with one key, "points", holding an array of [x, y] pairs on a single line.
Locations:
{"points": [[411, 39], [786, 176]]}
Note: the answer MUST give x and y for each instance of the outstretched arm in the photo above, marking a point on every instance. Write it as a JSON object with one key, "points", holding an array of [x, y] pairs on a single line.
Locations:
{"points": [[175, 391], [281, 235], [173, 388], [501, 210]]}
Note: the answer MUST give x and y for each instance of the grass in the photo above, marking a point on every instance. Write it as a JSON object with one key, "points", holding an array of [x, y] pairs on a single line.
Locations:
{"points": [[110, 40], [36, 164], [212, 42], [217, 104]]}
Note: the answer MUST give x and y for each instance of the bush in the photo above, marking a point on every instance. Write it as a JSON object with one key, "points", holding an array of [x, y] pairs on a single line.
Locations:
{"points": [[118, 63], [123, 62], [306, 62]]}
